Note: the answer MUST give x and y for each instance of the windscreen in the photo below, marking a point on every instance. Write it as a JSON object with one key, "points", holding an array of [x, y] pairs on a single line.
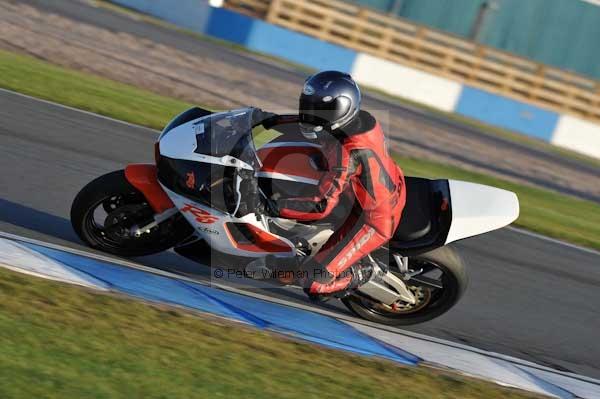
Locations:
{"points": [[225, 134], [214, 176]]}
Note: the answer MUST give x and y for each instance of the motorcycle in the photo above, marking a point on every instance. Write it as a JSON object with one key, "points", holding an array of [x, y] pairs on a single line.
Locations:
{"points": [[208, 194]]}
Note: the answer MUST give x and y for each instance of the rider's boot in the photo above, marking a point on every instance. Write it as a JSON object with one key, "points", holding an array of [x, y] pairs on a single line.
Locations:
{"points": [[361, 273]]}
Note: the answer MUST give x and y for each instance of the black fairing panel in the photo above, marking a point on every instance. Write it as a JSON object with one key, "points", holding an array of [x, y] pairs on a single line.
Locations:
{"points": [[426, 217], [185, 117], [211, 185], [416, 220], [279, 189]]}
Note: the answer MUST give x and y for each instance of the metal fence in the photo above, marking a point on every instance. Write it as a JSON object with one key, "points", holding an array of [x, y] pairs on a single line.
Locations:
{"points": [[433, 51]]}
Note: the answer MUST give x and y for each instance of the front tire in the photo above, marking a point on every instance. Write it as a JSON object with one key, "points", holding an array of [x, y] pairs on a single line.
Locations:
{"points": [[103, 212], [454, 282]]}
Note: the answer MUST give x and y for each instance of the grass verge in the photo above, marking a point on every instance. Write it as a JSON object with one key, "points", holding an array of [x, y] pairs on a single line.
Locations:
{"points": [[543, 211], [61, 341], [40, 79]]}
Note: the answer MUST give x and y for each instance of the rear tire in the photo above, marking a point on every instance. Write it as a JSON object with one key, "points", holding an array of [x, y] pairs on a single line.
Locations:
{"points": [[113, 194], [454, 279]]}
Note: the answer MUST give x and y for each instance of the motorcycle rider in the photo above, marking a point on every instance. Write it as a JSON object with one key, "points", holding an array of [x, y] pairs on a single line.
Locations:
{"points": [[359, 168]]}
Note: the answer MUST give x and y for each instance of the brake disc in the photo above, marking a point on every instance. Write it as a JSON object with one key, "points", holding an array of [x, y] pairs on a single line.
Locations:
{"points": [[422, 295], [119, 222]]}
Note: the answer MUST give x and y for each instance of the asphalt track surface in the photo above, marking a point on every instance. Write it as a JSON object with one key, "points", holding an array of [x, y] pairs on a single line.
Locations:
{"points": [[529, 297], [106, 19]]}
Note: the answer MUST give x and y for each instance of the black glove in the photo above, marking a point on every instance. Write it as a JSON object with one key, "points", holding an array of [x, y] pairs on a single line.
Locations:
{"points": [[260, 117], [271, 208], [267, 206]]}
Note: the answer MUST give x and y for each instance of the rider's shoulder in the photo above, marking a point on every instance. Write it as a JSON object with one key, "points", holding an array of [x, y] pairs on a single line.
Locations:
{"points": [[367, 120], [363, 124]]}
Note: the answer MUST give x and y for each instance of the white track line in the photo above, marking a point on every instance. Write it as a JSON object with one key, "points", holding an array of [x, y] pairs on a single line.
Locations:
{"points": [[78, 110], [553, 240]]}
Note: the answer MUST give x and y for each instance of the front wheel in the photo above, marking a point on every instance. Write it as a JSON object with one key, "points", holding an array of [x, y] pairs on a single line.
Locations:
{"points": [[105, 210], [440, 283]]}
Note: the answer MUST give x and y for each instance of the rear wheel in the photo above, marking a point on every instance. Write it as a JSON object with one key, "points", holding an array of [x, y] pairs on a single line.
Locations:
{"points": [[439, 282], [105, 210]]}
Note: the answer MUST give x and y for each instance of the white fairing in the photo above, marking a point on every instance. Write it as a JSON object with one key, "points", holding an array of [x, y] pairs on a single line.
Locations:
{"points": [[213, 229], [180, 143], [478, 209]]}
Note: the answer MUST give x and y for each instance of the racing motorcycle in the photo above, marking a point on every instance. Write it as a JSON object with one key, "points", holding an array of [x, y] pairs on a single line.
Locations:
{"points": [[208, 195]]}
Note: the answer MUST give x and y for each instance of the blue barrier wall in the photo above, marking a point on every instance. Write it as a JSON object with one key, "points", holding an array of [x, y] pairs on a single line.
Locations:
{"points": [[229, 26], [507, 113], [189, 14], [299, 48], [277, 41]]}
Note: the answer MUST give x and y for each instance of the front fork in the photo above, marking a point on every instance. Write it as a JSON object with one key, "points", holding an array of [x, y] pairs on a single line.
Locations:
{"points": [[144, 178], [156, 220]]}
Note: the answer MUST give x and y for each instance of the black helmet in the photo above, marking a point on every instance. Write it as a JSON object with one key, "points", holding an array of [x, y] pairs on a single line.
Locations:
{"points": [[330, 100]]}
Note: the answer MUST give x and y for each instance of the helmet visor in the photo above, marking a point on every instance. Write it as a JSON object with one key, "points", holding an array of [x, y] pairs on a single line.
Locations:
{"points": [[321, 113]]}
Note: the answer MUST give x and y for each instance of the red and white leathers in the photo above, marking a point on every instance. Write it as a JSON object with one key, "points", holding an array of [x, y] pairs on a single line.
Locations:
{"points": [[360, 168]]}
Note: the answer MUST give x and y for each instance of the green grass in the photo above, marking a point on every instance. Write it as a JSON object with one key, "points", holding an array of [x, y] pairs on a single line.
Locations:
{"points": [[543, 211], [103, 96], [61, 341]]}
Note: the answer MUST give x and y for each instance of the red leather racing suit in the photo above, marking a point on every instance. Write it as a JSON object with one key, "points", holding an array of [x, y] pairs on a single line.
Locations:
{"points": [[359, 168]]}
